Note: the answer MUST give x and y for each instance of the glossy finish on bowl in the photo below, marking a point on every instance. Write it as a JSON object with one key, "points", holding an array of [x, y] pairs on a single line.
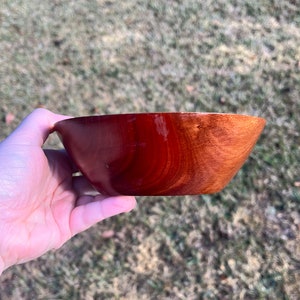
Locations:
{"points": [[160, 153]]}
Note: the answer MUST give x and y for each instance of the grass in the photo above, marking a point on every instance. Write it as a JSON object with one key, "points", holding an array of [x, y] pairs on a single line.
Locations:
{"points": [[99, 57]]}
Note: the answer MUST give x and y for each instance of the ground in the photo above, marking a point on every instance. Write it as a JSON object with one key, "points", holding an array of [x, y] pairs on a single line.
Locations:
{"points": [[100, 57]]}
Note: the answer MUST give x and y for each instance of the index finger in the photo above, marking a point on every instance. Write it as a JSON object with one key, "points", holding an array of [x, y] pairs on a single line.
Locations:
{"points": [[35, 128]]}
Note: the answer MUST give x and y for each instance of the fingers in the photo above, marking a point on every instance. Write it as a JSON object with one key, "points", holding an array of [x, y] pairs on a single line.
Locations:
{"points": [[60, 158], [35, 128], [95, 209], [82, 186]]}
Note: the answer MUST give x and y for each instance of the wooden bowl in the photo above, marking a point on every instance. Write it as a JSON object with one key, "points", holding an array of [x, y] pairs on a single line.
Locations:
{"points": [[160, 153]]}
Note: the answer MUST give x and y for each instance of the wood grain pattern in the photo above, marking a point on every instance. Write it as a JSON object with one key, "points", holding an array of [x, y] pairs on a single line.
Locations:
{"points": [[160, 153]]}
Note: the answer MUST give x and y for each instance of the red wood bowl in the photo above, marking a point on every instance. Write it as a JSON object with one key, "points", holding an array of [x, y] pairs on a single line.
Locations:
{"points": [[160, 153]]}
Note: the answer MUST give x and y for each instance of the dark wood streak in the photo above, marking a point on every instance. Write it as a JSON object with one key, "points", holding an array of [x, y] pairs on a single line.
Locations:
{"points": [[160, 153]]}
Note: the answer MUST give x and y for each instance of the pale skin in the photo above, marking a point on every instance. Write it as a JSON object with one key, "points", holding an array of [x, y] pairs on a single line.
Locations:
{"points": [[42, 205]]}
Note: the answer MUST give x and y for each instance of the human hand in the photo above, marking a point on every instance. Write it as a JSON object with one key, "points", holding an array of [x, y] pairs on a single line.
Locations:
{"points": [[42, 205]]}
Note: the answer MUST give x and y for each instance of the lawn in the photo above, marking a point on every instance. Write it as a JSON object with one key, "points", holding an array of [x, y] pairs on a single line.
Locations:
{"points": [[102, 57]]}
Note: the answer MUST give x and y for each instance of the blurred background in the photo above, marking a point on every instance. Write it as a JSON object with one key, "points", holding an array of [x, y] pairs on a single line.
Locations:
{"points": [[102, 57]]}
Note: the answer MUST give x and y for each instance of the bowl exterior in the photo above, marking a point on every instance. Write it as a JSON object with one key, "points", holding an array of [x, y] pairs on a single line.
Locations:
{"points": [[160, 153]]}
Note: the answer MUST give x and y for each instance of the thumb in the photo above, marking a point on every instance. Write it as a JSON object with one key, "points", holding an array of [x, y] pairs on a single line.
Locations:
{"points": [[35, 128]]}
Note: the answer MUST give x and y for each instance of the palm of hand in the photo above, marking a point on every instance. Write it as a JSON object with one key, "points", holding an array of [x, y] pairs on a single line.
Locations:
{"points": [[36, 219]]}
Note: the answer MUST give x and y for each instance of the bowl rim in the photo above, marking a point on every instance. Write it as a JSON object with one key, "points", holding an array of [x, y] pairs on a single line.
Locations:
{"points": [[129, 114]]}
